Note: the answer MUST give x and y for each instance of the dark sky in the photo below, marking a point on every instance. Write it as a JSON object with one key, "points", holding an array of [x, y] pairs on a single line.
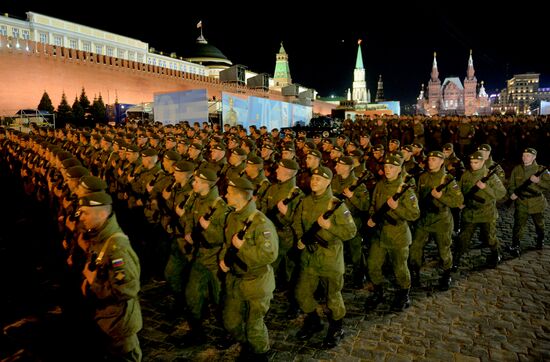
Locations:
{"points": [[398, 40]]}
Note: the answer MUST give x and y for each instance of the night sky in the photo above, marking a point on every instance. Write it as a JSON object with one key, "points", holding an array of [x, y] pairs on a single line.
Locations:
{"points": [[398, 40]]}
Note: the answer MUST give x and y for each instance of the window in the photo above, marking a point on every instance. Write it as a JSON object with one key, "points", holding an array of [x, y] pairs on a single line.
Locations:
{"points": [[73, 43], [110, 51], [58, 40], [131, 55], [3, 30], [15, 32], [140, 58], [120, 53], [86, 46], [26, 34], [44, 38], [99, 49]]}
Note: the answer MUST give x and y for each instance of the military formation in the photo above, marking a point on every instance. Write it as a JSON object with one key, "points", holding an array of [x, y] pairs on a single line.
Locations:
{"points": [[228, 216]]}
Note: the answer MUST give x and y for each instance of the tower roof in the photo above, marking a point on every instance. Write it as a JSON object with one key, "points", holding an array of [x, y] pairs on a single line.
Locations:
{"points": [[435, 72], [471, 71], [282, 49], [206, 54], [359, 61]]}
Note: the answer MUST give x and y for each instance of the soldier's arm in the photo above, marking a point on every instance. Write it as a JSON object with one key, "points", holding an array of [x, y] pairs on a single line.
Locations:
{"points": [[342, 225], [297, 225], [288, 218], [407, 209], [513, 183], [261, 245], [360, 198], [214, 233], [452, 196], [494, 190]]}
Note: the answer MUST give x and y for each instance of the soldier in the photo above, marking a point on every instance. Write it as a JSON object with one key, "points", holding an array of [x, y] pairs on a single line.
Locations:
{"points": [[435, 218], [313, 161], [286, 265], [218, 162], [479, 209], [392, 237], [250, 238], [485, 150], [255, 172], [324, 257], [111, 277], [465, 135], [204, 219], [527, 184]]}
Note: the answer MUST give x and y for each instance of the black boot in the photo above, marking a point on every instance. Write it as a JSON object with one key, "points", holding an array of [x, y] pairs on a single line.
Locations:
{"points": [[445, 280], [358, 279], [415, 276], [375, 298], [540, 242], [401, 300], [195, 336], [293, 309], [515, 249], [456, 261], [334, 334], [312, 325], [493, 259], [248, 355]]}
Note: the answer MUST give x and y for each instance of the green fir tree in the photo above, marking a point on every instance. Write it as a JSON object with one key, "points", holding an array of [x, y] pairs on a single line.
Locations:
{"points": [[78, 113], [46, 104], [64, 112]]}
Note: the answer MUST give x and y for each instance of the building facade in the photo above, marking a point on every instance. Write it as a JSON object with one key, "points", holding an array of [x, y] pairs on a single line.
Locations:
{"points": [[521, 95], [452, 97]]}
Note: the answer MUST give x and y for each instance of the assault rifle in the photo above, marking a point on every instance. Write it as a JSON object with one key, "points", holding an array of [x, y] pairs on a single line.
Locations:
{"points": [[310, 238], [471, 194], [428, 200], [381, 213], [231, 258], [273, 212], [523, 191]]}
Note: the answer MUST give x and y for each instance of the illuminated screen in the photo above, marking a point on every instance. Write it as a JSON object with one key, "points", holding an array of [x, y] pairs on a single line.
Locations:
{"points": [[171, 108]]}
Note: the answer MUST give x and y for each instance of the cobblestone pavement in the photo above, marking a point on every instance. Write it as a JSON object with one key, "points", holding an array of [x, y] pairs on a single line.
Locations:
{"points": [[500, 314]]}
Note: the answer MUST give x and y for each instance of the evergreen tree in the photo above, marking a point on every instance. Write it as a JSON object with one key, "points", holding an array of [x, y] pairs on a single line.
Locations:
{"points": [[84, 101], [78, 113], [98, 111], [46, 104], [64, 112]]}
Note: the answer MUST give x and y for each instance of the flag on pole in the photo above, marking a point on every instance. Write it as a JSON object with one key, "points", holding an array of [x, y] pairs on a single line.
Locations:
{"points": [[199, 24]]}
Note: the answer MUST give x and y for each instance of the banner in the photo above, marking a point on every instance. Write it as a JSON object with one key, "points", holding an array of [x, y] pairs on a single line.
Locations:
{"points": [[191, 106], [234, 109]]}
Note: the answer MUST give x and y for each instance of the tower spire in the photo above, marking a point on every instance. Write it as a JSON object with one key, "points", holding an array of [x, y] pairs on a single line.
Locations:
{"points": [[380, 90], [471, 71], [435, 72], [281, 75], [359, 61], [360, 93]]}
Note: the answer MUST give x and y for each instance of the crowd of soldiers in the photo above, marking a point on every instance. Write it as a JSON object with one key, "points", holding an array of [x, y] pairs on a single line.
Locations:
{"points": [[226, 216]]}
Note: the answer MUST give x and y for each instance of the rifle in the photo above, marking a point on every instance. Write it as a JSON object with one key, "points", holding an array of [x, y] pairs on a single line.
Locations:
{"points": [[196, 233], [310, 238], [273, 212], [523, 190], [363, 177], [471, 194], [231, 258], [427, 202], [381, 213]]}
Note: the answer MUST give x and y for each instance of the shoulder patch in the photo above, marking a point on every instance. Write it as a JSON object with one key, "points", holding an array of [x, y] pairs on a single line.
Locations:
{"points": [[413, 197], [455, 186], [347, 213], [267, 234], [120, 276], [117, 263]]}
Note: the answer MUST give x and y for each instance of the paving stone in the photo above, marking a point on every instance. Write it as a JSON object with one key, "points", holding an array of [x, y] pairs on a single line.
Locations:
{"points": [[502, 355], [459, 357]]}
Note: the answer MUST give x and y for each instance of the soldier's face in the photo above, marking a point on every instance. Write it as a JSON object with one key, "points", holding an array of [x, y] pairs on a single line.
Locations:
{"points": [[266, 152], [92, 217], [312, 162], [319, 184], [447, 153], [252, 171], [232, 197], [476, 164], [528, 158], [434, 163], [287, 155], [342, 170], [200, 185], [391, 171]]}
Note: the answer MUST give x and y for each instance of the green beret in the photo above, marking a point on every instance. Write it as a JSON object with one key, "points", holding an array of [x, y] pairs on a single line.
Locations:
{"points": [[530, 150], [255, 160], [150, 152], [70, 162], [448, 146], [311, 145], [346, 160], [77, 172], [356, 153], [378, 147], [100, 198], [484, 147], [219, 147], [132, 148], [171, 138], [289, 147], [324, 172], [172, 155], [250, 143], [108, 139], [241, 183], [93, 183], [183, 141], [417, 145], [155, 137], [327, 141], [184, 166], [196, 145], [393, 160], [239, 151], [393, 140], [96, 137], [290, 164], [407, 148], [268, 146], [63, 155], [315, 153], [338, 148], [436, 154], [344, 137], [207, 174], [476, 156]]}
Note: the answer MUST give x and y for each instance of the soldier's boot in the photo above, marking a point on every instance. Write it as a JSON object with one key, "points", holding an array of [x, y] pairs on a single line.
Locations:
{"points": [[248, 355], [515, 249], [415, 276], [293, 309], [456, 261], [493, 259], [312, 325], [195, 336], [358, 278], [540, 241], [376, 297], [401, 300], [334, 334], [445, 280]]}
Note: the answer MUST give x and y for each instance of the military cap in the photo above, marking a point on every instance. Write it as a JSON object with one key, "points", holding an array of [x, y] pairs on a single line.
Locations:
{"points": [[250, 143], [93, 183], [315, 153], [171, 138], [118, 141], [324, 172], [364, 135], [241, 183], [255, 160], [342, 136], [316, 136], [63, 155], [86, 135], [150, 152], [96, 137], [530, 150], [378, 147], [184, 166], [183, 141], [346, 160], [484, 147], [219, 147], [289, 147], [239, 151], [301, 139], [396, 141], [70, 162], [448, 146], [207, 174], [393, 160], [155, 136], [327, 140], [290, 164], [108, 139], [172, 155], [100, 198], [268, 146], [132, 148], [476, 156], [356, 153], [417, 145], [310, 145], [407, 148], [338, 148], [77, 172], [436, 154], [196, 145]]}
